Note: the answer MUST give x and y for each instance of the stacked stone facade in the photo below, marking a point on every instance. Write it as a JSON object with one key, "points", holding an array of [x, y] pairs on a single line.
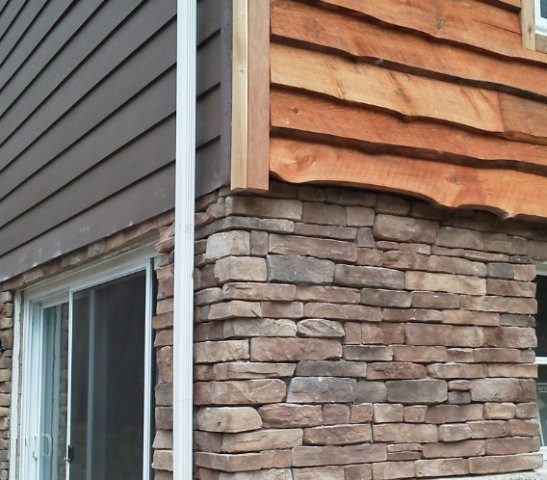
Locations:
{"points": [[347, 335], [161, 226]]}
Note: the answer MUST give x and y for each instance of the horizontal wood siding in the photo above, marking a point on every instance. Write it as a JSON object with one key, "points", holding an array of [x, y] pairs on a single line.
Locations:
{"points": [[214, 90], [87, 125], [435, 98]]}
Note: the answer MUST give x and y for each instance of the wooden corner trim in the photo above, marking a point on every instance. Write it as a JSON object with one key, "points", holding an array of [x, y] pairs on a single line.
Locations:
{"points": [[528, 24], [250, 95]]}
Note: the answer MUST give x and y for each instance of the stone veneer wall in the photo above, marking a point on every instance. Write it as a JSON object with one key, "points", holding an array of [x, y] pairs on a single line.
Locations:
{"points": [[344, 335], [162, 324]]}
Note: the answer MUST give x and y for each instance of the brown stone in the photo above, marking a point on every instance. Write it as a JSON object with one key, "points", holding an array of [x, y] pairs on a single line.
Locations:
{"points": [[316, 247], [282, 309], [206, 441], [319, 327], [411, 315], [164, 359], [527, 410], [393, 470], [325, 231], [460, 238], [228, 463], [164, 418], [511, 446], [370, 392], [447, 335], [415, 414], [259, 243], [337, 435], [511, 337], [259, 291], [503, 464], [417, 391], [404, 432], [264, 207], [500, 304], [435, 300], [454, 432], [342, 312], [403, 456], [361, 276], [287, 415], [313, 473], [441, 467], [324, 368], [453, 413], [525, 273], [336, 414], [321, 389], [291, 349], [368, 353], [516, 320], [224, 244], [525, 428], [395, 370], [275, 458], [251, 370], [272, 474], [352, 333], [360, 216], [513, 370], [327, 293], [361, 413], [324, 214], [455, 265], [404, 260], [226, 419], [358, 472], [299, 269], [443, 282], [234, 309], [503, 390], [492, 355], [499, 411], [261, 440], [393, 204], [388, 413], [239, 392], [409, 353], [162, 460], [381, 333], [386, 298], [467, 317], [459, 397], [457, 370], [338, 455], [365, 238], [405, 229], [501, 270], [240, 268], [224, 351], [257, 327], [459, 385], [489, 429], [369, 257], [510, 288]]}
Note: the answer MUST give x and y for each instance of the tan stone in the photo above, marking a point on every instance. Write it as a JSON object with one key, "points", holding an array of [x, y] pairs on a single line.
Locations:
{"points": [[259, 243], [324, 368], [525, 273], [388, 413], [459, 385], [239, 392], [162, 460], [261, 440], [282, 309], [503, 464], [275, 458], [252, 370], [453, 413], [467, 317], [435, 300], [490, 355], [228, 463], [425, 354], [414, 414], [224, 351], [457, 370], [455, 265], [405, 229], [489, 429], [528, 428], [234, 309], [360, 276], [369, 257], [454, 432], [441, 282], [316, 247], [206, 441], [510, 337], [527, 410], [342, 312], [338, 455], [259, 291], [223, 244], [499, 411], [503, 390], [444, 335], [272, 474], [228, 419], [510, 288], [321, 389], [358, 472], [299, 269], [288, 415], [500, 304], [395, 370], [417, 391], [513, 370], [337, 435], [382, 333], [264, 207], [336, 414], [164, 418], [328, 293], [441, 467], [404, 432], [352, 333], [325, 231], [368, 353], [404, 260], [361, 413], [511, 446], [229, 269], [319, 327], [314, 473], [164, 359], [290, 349], [411, 315], [460, 238], [258, 327], [393, 470]]}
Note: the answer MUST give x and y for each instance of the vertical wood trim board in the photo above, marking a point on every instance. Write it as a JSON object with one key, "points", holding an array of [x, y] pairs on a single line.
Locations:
{"points": [[528, 24], [250, 95]]}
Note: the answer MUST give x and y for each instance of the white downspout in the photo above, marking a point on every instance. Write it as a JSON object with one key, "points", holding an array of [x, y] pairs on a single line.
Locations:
{"points": [[184, 240]]}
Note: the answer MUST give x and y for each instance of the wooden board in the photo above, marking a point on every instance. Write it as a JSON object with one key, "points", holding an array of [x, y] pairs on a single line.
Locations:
{"points": [[299, 114], [502, 191], [319, 28], [467, 22]]}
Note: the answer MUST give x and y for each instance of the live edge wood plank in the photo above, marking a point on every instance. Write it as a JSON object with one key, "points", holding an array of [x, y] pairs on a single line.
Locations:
{"points": [[502, 191], [336, 122], [250, 95], [321, 28], [468, 22]]}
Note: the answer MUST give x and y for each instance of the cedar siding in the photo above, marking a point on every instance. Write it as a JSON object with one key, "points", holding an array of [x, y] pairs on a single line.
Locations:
{"points": [[87, 126], [434, 98]]}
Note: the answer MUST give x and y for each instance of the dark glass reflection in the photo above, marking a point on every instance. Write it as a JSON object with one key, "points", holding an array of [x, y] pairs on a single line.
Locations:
{"points": [[541, 317]]}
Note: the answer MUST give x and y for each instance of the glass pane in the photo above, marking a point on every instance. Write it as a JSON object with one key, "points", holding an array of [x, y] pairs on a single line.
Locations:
{"points": [[107, 406], [541, 317], [542, 402], [543, 8]]}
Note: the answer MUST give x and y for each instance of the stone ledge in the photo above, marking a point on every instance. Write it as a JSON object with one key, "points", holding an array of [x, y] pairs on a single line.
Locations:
{"points": [[540, 474]]}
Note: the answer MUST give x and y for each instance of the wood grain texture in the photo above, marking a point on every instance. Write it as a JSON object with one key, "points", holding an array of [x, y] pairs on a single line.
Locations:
{"points": [[320, 28], [528, 24], [296, 113], [408, 94], [467, 22], [502, 191]]}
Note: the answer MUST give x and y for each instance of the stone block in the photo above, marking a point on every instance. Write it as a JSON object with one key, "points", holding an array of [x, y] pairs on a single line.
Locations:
{"points": [[503, 464], [525, 273], [444, 282], [511, 337], [370, 392], [362, 276], [435, 300], [454, 432], [467, 317], [275, 458], [512, 446], [234, 309], [239, 392], [402, 260], [252, 370], [282, 309], [421, 315], [438, 414], [321, 390], [381, 333], [424, 391], [421, 354], [386, 298], [369, 257], [325, 231], [264, 207], [259, 243], [496, 355], [499, 411], [288, 415], [228, 419], [257, 327], [388, 413], [224, 244], [393, 470], [360, 216], [441, 467], [455, 265], [365, 238], [527, 410], [337, 435], [523, 428], [513, 370], [299, 269], [500, 304], [328, 293], [405, 229], [489, 429], [271, 474], [324, 214], [336, 414], [324, 473], [392, 204], [503, 390], [460, 238], [395, 370], [319, 327], [368, 353], [261, 440], [259, 291], [323, 368], [294, 349], [228, 463], [501, 270], [414, 414], [223, 351], [315, 247], [342, 312], [232, 268], [404, 432], [338, 455], [361, 413], [358, 472], [443, 335], [510, 288], [457, 370]]}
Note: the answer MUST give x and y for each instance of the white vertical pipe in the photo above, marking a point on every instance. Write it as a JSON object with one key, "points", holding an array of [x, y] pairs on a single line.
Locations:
{"points": [[184, 240]]}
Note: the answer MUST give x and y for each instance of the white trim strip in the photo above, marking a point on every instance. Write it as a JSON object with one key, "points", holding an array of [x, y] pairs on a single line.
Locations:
{"points": [[184, 240]]}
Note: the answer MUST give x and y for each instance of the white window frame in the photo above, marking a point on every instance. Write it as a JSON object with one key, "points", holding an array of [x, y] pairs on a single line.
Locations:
{"points": [[60, 290], [541, 22]]}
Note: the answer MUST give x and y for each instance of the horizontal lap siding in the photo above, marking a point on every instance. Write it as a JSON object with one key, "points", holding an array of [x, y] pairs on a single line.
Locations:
{"points": [[435, 98], [87, 130]]}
